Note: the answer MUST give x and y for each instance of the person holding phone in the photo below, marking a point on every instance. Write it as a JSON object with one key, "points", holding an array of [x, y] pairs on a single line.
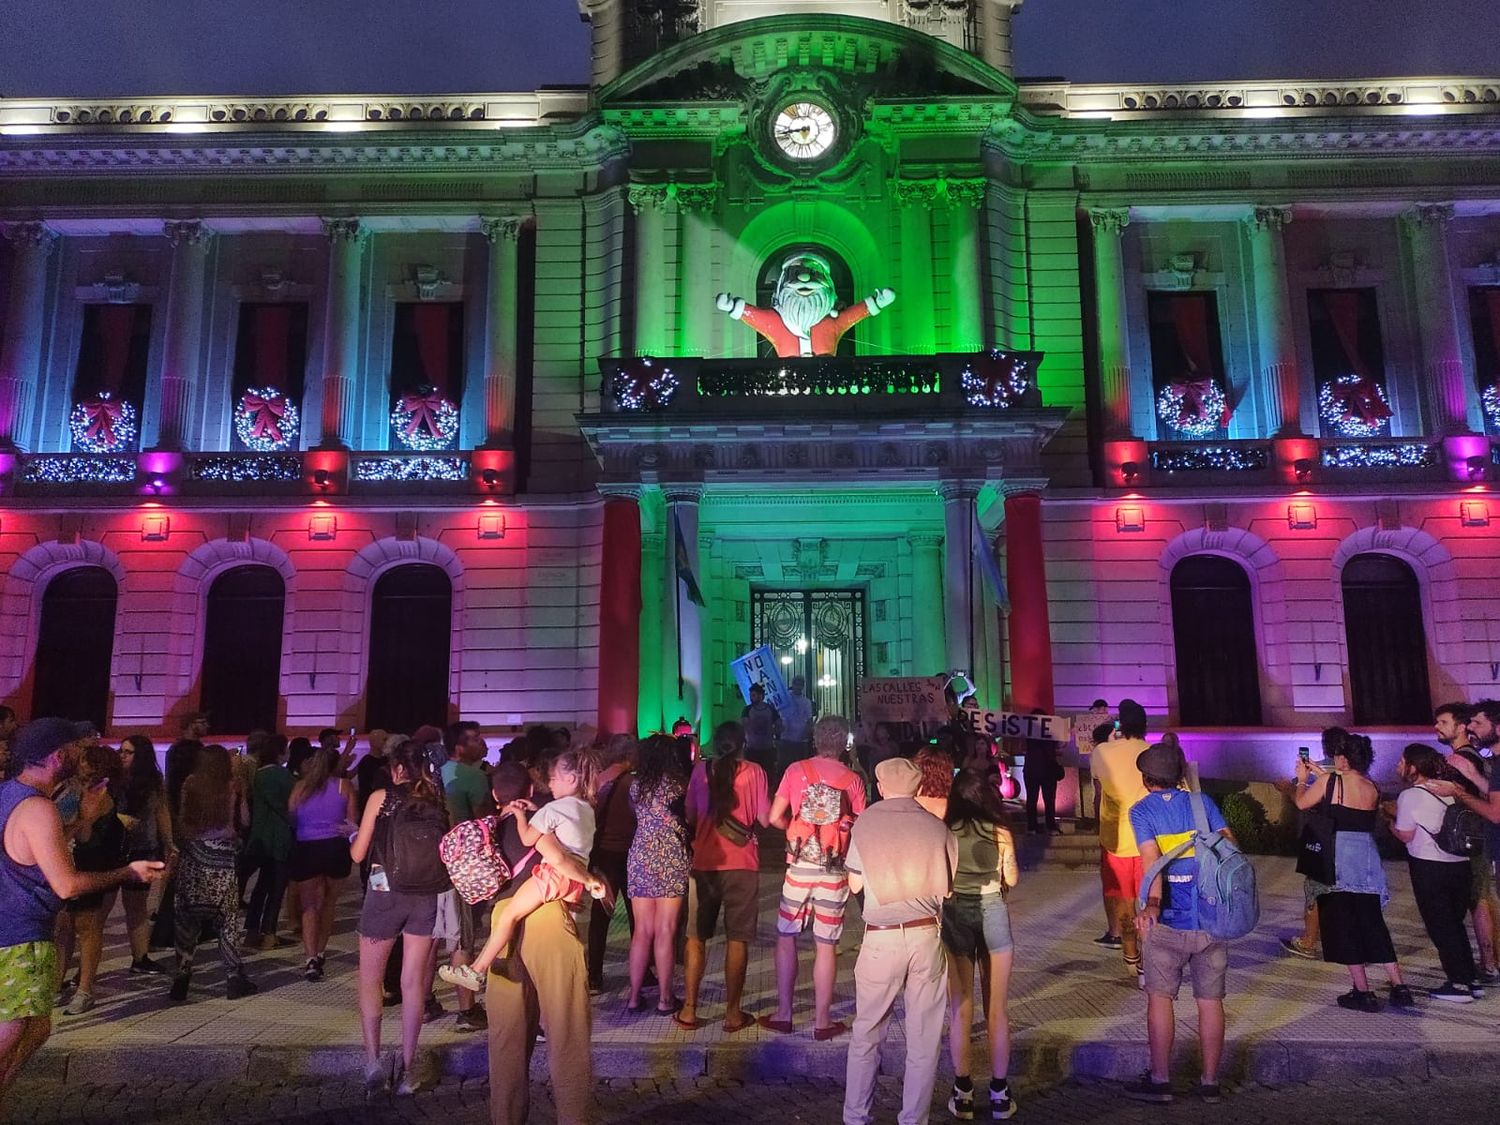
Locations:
{"points": [[1120, 870]]}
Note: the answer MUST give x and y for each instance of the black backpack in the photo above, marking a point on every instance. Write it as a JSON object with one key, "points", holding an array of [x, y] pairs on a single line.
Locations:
{"points": [[412, 861], [1463, 831]]}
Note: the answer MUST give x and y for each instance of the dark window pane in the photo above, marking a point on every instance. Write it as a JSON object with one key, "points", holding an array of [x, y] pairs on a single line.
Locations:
{"points": [[411, 625], [270, 351], [75, 646], [1213, 626], [242, 649], [1387, 642]]}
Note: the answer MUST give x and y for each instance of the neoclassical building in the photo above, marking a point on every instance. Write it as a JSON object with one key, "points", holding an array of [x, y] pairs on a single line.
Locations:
{"points": [[370, 412]]}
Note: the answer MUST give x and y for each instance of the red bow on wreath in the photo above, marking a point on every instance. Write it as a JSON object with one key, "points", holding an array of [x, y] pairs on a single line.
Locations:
{"points": [[1360, 399], [1191, 398], [266, 415], [102, 414], [422, 411]]}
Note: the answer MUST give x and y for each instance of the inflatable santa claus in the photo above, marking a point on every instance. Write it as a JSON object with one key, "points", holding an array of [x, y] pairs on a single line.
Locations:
{"points": [[801, 319]]}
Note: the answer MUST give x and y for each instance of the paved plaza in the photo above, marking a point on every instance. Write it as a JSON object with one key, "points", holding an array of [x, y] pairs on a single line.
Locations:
{"points": [[1075, 1013]]}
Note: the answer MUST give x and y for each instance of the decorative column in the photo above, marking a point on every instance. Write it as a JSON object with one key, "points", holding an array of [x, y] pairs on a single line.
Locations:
{"points": [[1026, 583], [504, 235], [651, 709], [995, 35], [1443, 378], [341, 330], [620, 612], [649, 202], [682, 676], [929, 648], [958, 574], [608, 39], [916, 198], [695, 205], [21, 348], [965, 197], [1114, 332], [1280, 381], [181, 358]]}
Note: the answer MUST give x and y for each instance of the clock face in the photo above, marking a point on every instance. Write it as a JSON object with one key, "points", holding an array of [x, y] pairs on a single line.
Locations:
{"points": [[804, 130]]}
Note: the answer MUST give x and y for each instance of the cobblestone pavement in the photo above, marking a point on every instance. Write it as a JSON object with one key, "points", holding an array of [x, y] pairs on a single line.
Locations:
{"points": [[43, 1101]]}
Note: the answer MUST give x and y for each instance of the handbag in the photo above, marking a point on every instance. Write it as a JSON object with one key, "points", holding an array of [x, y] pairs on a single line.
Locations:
{"points": [[1315, 849]]}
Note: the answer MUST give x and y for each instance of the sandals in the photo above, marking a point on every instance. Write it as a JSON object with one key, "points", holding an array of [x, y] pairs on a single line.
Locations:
{"points": [[780, 1027], [686, 1025], [747, 1020], [672, 1008], [832, 1031]]}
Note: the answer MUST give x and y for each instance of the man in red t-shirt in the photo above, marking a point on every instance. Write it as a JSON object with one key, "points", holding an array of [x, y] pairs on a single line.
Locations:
{"points": [[815, 804]]}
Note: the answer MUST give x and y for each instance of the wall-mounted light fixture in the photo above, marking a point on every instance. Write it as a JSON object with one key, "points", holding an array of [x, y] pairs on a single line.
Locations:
{"points": [[1130, 472], [491, 525], [1473, 513], [155, 529], [1302, 468], [1301, 517], [1476, 467], [1130, 519], [322, 527], [322, 480]]}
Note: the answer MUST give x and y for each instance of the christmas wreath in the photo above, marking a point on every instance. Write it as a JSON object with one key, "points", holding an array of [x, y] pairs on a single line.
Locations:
{"points": [[1491, 400], [1354, 405], [641, 385], [266, 420], [1196, 407], [994, 379], [103, 424], [424, 420]]}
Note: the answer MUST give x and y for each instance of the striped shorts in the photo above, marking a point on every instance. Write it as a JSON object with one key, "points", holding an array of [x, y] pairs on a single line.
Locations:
{"points": [[816, 895]]}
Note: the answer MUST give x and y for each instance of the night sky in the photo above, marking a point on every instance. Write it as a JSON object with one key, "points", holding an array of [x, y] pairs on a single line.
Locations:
{"points": [[98, 48]]}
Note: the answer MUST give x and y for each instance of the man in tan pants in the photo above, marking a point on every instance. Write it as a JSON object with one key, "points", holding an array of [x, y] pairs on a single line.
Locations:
{"points": [[903, 858], [545, 985]]}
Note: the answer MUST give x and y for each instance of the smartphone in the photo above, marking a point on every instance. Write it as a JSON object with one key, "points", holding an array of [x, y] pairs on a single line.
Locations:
{"points": [[351, 732], [1305, 754]]}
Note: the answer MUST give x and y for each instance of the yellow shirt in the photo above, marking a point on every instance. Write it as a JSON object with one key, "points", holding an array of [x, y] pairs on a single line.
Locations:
{"points": [[1120, 787]]}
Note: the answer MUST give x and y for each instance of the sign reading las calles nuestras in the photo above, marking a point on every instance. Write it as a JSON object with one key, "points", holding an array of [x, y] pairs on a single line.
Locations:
{"points": [[919, 700]]}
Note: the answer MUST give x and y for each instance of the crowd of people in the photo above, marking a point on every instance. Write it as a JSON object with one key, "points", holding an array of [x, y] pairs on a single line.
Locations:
{"points": [[251, 851]]}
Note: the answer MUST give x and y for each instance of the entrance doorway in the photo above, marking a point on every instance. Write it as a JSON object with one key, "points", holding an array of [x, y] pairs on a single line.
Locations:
{"points": [[818, 635]]}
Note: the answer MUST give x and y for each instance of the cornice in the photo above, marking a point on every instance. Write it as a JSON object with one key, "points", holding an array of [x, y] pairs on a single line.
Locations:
{"points": [[586, 144]]}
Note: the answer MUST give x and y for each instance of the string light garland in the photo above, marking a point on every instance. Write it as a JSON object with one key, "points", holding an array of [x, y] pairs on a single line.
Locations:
{"points": [[1354, 406], [1212, 458], [1196, 408], [78, 470], [424, 420], [1405, 455], [998, 383], [830, 377], [642, 385], [103, 424], [246, 470], [1490, 398], [266, 420], [380, 470]]}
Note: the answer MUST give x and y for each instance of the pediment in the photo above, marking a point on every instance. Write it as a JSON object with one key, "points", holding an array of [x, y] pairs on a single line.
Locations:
{"points": [[881, 60]]}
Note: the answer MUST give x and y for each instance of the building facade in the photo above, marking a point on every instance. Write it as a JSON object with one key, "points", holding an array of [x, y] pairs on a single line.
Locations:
{"points": [[371, 412]]}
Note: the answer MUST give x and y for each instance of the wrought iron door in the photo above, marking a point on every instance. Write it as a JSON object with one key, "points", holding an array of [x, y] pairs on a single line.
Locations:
{"points": [[818, 635]]}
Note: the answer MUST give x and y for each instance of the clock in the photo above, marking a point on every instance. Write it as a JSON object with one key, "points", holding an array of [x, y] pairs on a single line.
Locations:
{"points": [[804, 130]]}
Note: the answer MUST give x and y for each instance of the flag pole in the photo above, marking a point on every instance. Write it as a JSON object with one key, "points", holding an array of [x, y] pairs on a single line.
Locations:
{"points": [[677, 592]]}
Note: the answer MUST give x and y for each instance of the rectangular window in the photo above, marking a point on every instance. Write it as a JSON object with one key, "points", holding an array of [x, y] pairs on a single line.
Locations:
{"points": [[270, 354], [112, 354], [427, 373], [1348, 362], [1484, 315], [1187, 364]]}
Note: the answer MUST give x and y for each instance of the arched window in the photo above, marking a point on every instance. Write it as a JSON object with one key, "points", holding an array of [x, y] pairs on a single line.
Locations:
{"points": [[75, 646], [242, 649], [1387, 642], [1213, 627], [411, 627]]}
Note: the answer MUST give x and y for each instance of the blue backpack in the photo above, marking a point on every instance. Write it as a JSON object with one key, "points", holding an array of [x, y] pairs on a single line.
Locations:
{"points": [[1226, 903]]}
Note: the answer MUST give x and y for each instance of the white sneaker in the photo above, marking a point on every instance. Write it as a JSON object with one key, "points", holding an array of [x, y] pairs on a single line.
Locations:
{"points": [[377, 1078], [463, 976], [81, 1002]]}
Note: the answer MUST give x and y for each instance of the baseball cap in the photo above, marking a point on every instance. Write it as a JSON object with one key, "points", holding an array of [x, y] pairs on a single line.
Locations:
{"points": [[898, 777], [1162, 760], [40, 738]]}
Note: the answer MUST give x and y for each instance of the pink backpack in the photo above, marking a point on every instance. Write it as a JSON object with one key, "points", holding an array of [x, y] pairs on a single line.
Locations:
{"points": [[474, 863]]}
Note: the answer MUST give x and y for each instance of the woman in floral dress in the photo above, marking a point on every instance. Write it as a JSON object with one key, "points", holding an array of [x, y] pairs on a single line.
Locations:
{"points": [[656, 868]]}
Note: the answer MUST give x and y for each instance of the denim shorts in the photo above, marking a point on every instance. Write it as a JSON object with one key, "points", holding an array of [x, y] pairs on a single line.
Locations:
{"points": [[974, 924], [388, 914]]}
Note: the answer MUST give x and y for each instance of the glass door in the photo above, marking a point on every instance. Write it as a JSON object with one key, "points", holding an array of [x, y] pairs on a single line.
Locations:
{"points": [[818, 635]]}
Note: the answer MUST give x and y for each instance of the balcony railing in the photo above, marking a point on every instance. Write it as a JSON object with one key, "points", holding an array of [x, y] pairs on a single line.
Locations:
{"points": [[899, 384], [1301, 461]]}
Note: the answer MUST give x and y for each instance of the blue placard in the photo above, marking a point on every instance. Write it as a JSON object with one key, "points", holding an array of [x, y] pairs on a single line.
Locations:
{"points": [[759, 667]]}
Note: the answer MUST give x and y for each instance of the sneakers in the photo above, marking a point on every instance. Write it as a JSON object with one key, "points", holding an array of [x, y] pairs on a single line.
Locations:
{"points": [[472, 1020], [1357, 1001], [1296, 948], [961, 1103], [81, 1002], [313, 969], [142, 966], [1147, 1089], [1109, 941], [463, 976], [434, 1009], [408, 1082], [1401, 997], [1209, 1093], [1476, 990], [377, 1078], [1002, 1105], [1452, 993], [241, 986], [179, 990], [1487, 977]]}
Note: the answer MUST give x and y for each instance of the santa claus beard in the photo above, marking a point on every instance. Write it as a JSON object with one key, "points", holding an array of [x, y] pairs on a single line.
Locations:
{"points": [[800, 313]]}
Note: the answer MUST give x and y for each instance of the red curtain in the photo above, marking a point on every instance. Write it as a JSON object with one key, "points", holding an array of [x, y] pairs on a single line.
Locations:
{"points": [[116, 325], [1190, 317], [1343, 306], [430, 324], [272, 336]]}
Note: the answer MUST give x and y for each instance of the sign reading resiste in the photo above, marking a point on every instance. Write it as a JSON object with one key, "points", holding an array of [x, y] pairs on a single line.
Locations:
{"points": [[919, 700]]}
